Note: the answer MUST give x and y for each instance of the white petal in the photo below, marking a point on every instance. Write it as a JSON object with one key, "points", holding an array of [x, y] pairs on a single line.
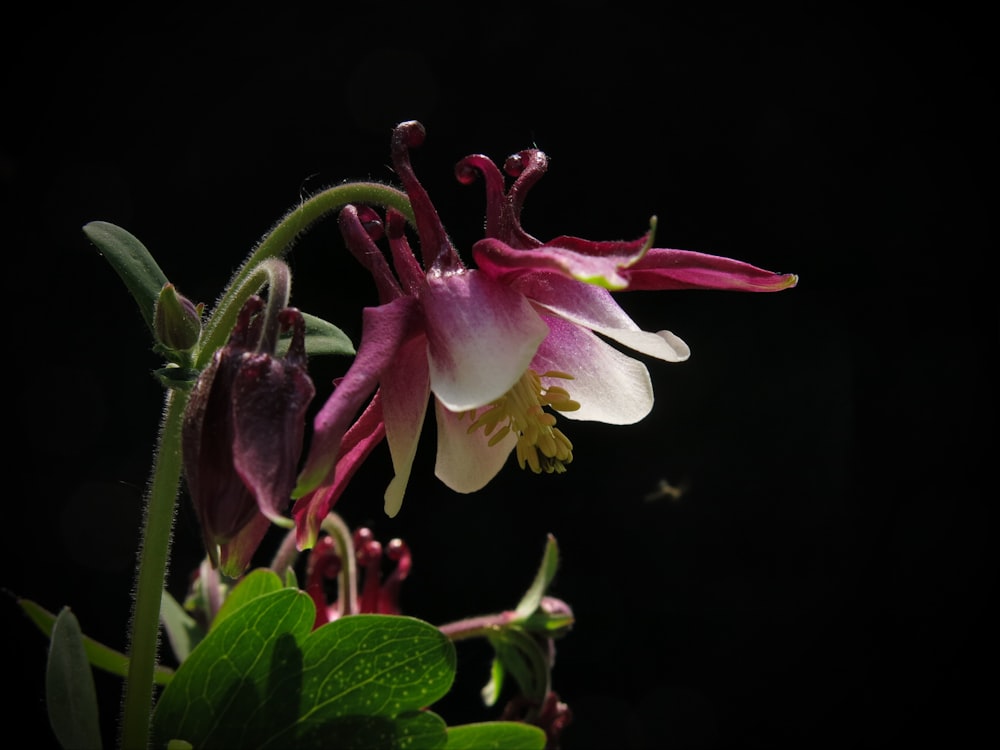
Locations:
{"points": [[610, 387], [662, 344], [594, 308], [481, 337], [406, 390], [465, 462]]}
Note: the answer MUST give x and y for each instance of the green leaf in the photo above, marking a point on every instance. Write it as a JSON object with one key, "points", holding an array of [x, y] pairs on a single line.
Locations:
{"points": [[496, 735], [263, 678], [546, 572], [99, 655], [69, 686], [183, 631], [321, 338], [133, 263], [523, 657], [257, 582]]}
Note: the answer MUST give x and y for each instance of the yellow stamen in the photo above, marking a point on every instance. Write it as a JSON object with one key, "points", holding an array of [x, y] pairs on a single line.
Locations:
{"points": [[540, 444]]}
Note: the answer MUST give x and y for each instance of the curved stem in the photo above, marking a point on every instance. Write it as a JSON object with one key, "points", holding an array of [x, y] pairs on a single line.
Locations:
{"points": [[154, 552], [286, 555], [347, 579], [280, 240], [279, 281]]}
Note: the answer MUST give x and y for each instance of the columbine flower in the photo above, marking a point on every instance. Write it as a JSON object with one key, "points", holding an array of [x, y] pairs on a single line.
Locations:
{"points": [[503, 347], [242, 434]]}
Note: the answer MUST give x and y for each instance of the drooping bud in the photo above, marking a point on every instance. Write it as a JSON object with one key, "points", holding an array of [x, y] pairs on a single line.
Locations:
{"points": [[243, 433], [177, 320]]}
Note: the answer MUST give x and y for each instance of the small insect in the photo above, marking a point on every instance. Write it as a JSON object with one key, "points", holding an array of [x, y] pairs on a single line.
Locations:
{"points": [[666, 490]]}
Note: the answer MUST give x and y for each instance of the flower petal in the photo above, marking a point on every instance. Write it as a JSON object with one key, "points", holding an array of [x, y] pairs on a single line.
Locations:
{"points": [[594, 308], [384, 329], [597, 263], [270, 397], [481, 336], [465, 461], [358, 442], [237, 554], [406, 386], [609, 386], [662, 269]]}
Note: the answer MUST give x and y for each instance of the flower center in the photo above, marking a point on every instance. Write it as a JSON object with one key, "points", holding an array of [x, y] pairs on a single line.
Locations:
{"points": [[540, 445]]}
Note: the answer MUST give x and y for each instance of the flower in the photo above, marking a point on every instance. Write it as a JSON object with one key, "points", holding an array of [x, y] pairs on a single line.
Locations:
{"points": [[242, 434], [500, 346]]}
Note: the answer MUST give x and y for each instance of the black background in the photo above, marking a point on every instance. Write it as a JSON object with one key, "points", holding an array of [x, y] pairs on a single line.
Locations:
{"points": [[827, 579]]}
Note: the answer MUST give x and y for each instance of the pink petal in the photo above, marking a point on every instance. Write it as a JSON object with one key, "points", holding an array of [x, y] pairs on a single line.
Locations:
{"points": [[466, 462], [481, 336], [359, 441], [599, 263], [406, 386], [683, 269], [610, 387], [593, 307], [384, 329], [628, 265]]}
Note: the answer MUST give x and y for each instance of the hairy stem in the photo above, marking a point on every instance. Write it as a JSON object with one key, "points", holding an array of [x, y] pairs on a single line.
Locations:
{"points": [[154, 553], [280, 240]]}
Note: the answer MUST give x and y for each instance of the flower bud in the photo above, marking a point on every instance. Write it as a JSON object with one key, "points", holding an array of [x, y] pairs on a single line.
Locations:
{"points": [[177, 320], [242, 435]]}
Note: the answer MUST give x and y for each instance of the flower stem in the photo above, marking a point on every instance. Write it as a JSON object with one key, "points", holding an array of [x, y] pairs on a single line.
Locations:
{"points": [[280, 240], [286, 555], [347, 579], [154, 553], [477, 627]]}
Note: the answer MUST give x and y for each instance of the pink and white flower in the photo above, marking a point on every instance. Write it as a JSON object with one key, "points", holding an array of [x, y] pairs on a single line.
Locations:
{"points": [[499, 349]]}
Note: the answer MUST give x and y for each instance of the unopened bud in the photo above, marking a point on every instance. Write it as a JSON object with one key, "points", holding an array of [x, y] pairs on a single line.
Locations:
{"points": [[177, 320]]}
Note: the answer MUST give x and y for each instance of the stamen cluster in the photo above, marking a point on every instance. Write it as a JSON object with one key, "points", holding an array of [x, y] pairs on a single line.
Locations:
{"points": [[540, 444]]}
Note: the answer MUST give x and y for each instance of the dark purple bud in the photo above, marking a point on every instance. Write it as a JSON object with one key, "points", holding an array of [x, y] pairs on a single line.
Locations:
{"points": [[243, 433]]}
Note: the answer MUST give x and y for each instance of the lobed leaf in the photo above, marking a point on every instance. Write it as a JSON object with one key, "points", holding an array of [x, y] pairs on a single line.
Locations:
{"points": [[262, 678]]}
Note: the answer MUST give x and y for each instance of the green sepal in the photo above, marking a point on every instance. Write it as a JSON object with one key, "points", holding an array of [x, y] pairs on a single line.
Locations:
{"points": [[99, 655], [133, 263], [264, 677], [69, 686]]}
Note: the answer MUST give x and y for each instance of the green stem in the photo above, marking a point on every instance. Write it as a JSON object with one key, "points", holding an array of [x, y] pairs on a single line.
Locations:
{"points": [[280, 240], [154, 552], [347, 579]]}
